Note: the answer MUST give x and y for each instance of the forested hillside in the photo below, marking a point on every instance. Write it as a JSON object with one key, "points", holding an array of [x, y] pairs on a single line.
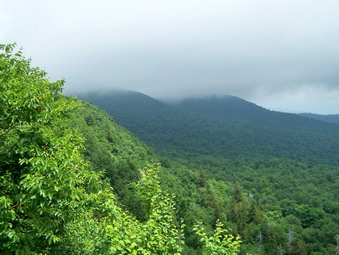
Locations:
{"points": [[278, 206], [207, 193], [69, 178], [228, 127], [112, 149], [72, 181]]}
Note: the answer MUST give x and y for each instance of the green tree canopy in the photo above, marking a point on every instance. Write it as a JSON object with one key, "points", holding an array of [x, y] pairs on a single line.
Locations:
{"points": [[50, 200]]}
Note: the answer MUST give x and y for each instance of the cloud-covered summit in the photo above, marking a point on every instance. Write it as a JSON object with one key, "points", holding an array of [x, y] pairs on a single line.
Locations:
{"points": [[280, 54]]}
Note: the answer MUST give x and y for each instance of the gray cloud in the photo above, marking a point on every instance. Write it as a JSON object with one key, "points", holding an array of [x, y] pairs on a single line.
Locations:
{"points": [[279, 54]]}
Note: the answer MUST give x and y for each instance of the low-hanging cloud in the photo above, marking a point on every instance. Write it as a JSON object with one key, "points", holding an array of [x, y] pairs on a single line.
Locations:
{"points": [[275, 53]]}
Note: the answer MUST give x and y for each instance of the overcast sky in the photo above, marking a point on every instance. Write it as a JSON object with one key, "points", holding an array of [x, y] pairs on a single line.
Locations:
{"points": [[283, 55]]}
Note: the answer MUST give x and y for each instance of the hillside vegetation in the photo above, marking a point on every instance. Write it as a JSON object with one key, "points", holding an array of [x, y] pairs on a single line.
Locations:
{"points": [[72, 181], [54, 201], [229, 127], [262, 178]]}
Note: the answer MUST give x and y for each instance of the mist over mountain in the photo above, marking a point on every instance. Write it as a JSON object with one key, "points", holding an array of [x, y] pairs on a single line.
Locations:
{"points": [[228, 140], [238, 109], [226, 126], [223, 149]]}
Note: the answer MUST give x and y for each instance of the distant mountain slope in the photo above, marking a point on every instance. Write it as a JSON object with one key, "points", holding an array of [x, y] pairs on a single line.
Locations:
{"points": [[237, 109], [331, 118], [284, 194], [228, 127], [230, 107]]}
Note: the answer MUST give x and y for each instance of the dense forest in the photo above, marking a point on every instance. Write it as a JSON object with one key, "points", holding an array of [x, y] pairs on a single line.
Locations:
{"points": [[229, 127], [283, 168], [209, 176], [73, 182]]}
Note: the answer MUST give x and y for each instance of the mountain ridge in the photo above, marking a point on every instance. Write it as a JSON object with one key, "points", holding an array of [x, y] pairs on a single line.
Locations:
{"points": [[329, 118], [247, 131]]}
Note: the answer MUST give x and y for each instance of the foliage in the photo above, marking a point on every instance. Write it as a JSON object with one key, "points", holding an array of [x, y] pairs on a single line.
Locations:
{"points": [[51, 202], [113, 150], [223, 127], [220, 242], [26, 96], [228, 141], [70, 184], [42, 176], [279, 199]]}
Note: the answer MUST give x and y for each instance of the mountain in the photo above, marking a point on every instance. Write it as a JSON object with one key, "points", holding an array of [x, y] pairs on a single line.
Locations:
{"points": [[71, 183], [229, 107], [208, 196], [217, 157], [226, 127], [330, 118], [237, 109]]}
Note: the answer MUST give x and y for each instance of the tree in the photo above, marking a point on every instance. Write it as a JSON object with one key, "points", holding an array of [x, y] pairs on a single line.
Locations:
{"points": [[220, 242], [238, 212], [43, 177], [50, 202]]}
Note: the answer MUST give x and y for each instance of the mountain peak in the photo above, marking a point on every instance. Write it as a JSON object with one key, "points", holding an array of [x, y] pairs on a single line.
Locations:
{"points": [[227, 106]]}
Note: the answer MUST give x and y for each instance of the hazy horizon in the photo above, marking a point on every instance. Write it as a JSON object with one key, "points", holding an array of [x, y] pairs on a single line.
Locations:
{"points": [[169, 100], [281, 55]]}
